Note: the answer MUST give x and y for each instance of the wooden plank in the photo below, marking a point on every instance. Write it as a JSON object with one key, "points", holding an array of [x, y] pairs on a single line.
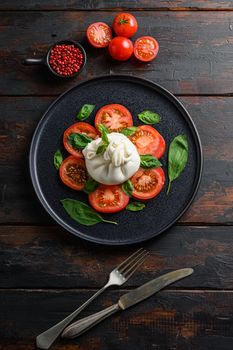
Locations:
{"points": [[32, 257], [120, 4], [195, 50], [19, 119], [212, 118], [170, 320], [212, 115]]}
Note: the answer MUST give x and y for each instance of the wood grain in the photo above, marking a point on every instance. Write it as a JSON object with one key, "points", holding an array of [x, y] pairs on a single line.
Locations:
{"points": [[195, 50], [175, 320], [32, 257], [213, 117], [120, 4], [60, 271]]}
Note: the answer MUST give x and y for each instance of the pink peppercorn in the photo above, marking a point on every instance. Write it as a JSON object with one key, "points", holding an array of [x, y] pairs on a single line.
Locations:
{"points": [[66, 60]]}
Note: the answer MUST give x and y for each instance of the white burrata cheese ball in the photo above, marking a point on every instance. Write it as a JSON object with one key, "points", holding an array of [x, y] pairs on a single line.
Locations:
{"points": [[116, 164]]}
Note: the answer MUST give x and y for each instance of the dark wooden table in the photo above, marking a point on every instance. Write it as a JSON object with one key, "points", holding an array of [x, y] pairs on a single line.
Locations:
{"points": [[45, 272]]}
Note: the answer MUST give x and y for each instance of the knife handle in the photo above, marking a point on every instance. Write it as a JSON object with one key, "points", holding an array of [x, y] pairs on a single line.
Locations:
{"points": [[84, 324]]}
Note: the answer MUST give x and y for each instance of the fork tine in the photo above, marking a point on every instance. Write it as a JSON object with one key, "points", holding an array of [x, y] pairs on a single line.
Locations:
{"points": [[132, 261], [129, 258], [133, 268]]}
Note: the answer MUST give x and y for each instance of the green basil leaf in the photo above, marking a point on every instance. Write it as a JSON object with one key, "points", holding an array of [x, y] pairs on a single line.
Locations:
{"points": [[129, 131], [90, 186], [177, 158], [85, 112], [57, 159], [102, 127], [148, 161], [127, 187], [79, 141], [102, 148], [83, 213], [104, 135], [149, 117], [135, 206]]}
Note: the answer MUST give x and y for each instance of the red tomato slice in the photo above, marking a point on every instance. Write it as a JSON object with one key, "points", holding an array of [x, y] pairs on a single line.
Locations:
{"points": [[108, 199], [147, 183], [99, 34], [81, 128], [73, 173], [149, 141], [146, 48], [114, 116]]}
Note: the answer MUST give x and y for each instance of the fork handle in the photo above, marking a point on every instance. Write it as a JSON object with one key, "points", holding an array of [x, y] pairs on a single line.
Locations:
{"points": [[83, 325], [33, 61], [46, 339]]}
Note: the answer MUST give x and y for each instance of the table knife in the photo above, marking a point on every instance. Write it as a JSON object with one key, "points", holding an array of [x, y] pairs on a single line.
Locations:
{"points": [[129, 299]]}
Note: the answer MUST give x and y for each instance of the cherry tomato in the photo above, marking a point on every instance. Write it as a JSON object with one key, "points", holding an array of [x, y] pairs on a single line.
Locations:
{"points": [[99, 34], [108, 199], [146, 48], [147, 183], [73, 173], [114, 116], [149, 141], [125, 25], [81, 128], [120, 48]]}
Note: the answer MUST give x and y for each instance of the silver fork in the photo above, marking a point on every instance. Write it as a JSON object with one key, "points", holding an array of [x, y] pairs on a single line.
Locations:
{"points": [[117, 277]]}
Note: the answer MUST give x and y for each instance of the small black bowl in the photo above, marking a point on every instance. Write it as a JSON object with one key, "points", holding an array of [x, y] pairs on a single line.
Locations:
{"points": [[45, 60]]}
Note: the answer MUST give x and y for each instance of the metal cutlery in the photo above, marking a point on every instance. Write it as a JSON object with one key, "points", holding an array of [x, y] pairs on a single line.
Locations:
{"points": [[117, 277], [129, 299]]}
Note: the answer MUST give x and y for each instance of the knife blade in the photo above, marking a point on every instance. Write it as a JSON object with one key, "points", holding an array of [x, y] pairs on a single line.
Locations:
{"points": [[127, 300]]}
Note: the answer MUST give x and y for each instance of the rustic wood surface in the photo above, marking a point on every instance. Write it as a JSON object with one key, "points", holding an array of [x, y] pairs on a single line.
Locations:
{"points": [[91, 5], [47, 256], [195, 50], [44, 271], [200, 321]]}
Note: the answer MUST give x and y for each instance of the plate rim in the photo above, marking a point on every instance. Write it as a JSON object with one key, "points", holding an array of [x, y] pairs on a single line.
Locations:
{"points": [[34, 144]]}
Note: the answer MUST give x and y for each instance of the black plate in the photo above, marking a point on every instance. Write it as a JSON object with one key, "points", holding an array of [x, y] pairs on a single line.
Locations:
{"points": [[136, 94]]}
